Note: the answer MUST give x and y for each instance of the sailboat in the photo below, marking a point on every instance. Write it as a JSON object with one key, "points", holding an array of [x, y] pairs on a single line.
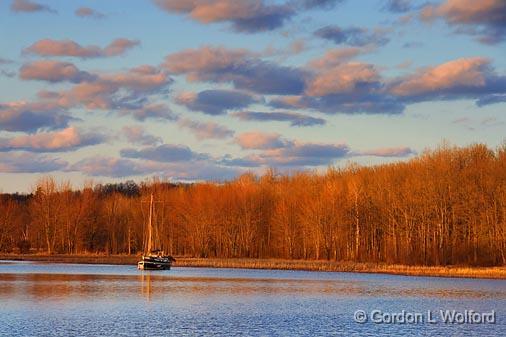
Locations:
{"points": [[153, 258]]}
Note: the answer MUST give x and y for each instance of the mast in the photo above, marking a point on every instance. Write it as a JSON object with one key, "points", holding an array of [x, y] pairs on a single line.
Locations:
{"points": [[150, 225]]}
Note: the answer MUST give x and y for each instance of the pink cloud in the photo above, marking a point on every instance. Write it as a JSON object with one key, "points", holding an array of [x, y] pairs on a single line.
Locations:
{"points": [[245, 70], [142, 78], [342, 79], [485, 18], [53, 71], [205, 59], [259, 140], [116, 91], [48, 47], [465, 72], [277, 151], [464, 11], [56, 141], [245, 15]]}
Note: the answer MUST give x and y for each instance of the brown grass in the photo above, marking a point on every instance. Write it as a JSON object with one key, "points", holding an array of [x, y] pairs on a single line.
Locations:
{"points": [[331, 266], [442, 271]]}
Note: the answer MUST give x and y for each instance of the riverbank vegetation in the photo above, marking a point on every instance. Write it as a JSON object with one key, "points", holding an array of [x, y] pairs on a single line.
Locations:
{"points": [[274, 264], [444, 207]]}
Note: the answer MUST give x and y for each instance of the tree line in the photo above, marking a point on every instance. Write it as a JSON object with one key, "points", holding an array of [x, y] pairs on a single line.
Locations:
{"points": [[446, 206]]}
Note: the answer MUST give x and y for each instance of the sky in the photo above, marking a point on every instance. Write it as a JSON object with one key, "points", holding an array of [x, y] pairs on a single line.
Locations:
{"points": [[107, 91]]}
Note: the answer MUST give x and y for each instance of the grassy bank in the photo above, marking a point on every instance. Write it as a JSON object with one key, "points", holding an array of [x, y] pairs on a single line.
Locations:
{"points": [[448, 271]]}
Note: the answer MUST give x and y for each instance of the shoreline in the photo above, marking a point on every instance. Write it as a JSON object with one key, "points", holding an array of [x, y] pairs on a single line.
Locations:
{"points": [[279, 264]]}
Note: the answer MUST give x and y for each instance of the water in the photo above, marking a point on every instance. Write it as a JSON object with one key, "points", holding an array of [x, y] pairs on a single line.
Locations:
{"points": [[43, 299]]}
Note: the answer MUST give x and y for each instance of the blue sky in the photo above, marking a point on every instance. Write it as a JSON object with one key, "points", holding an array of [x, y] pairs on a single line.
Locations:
{"points": [[113, 90]]}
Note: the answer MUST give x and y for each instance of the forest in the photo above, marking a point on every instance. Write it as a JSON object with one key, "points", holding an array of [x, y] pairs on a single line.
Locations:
{"points": [[446, 206]]}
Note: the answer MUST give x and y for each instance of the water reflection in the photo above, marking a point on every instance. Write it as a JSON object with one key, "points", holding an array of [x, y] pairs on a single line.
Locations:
{"points": [[118, 300], [146, 284], [46, 286]]}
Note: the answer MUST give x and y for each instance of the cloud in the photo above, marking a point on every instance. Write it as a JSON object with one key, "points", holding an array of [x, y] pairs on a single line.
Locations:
{"points": [[399, 6], [276, 151], [215, 102], [205, 60], [367, 103], [206, 130], [5, 61], [295, 119], [86, 12], [164, 153], [388, 152], [460, 78], [307, 154], [260, 140], [279, 152], [336, 86], [486, 19], [176, 171], [149, 110], [353, 36], [412, 45], [125, 92], [337, 56], [333, 84], [29, 163], [248, 16], [237, 66], [143, 78], [114, 167], [343, 78], [321, 4], [48, 47], [361, 101], [53, 71], [67, 139], [491, 99], [7, 73], [31, 117], [27, 6], [138, 135]]}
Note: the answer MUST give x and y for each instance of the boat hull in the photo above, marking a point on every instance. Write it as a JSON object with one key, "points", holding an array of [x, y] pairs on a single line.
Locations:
{"points": [[143, 265], [154, 263]]}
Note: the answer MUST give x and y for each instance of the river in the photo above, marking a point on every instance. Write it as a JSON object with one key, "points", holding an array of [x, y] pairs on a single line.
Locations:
{"points": [[45, 299]]}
